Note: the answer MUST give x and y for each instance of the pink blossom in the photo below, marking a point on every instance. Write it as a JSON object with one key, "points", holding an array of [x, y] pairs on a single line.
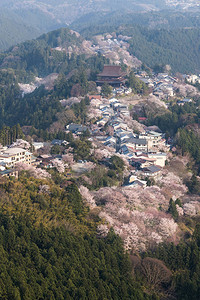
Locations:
{"points": [[192, 208], [167, 227], [58, 164], [102, 230], [179, 210], [69, 159], [21, 144], [33, 171], [85, 193]]}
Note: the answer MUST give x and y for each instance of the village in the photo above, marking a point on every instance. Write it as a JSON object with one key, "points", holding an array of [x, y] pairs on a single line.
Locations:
{"points": [[125, 168], [143, 148]]}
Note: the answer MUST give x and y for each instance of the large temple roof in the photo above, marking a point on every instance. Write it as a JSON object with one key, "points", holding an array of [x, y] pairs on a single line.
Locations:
{"points": [[112, 71]]}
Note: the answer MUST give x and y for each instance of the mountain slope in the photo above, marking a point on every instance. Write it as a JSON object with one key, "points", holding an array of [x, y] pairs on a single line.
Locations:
{"points": [[13, 30], [176, 47]]}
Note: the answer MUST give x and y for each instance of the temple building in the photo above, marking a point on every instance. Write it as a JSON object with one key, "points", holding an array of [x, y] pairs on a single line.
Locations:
{"points": [[113, 75]]}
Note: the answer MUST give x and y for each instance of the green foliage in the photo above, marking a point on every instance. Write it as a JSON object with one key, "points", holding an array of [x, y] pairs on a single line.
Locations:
{"points": [[178, 202], [81, 149], [9, 135], [81, 109], [136, 84], [117, 163], [150, 181], [106, 90], [172, 209], [49, 249], [188, 142], [51, 208], [193, 185], [101, 176], [154, 47], [56, 264], [178, 117], [14, 30], [37, 58], [184, 261]]}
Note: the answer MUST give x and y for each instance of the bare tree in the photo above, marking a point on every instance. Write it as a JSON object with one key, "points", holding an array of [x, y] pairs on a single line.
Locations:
{"points": [[155, 272]]}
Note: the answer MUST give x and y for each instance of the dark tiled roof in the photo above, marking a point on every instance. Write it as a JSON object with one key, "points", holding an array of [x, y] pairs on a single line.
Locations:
{"points": [[152, 169], [136, 141], [113, 71]]}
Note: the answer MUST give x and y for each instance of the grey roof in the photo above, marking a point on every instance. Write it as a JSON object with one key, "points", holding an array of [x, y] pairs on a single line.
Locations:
{"points": [[77, 127], [6, 172], [152, 169], [136, 141], [56, 142]]}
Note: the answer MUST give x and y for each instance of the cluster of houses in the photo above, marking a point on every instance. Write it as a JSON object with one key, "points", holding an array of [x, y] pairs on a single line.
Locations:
{"points": [[192, 78], [141, 150], [110, 110], [162, 84], [13, 155]]}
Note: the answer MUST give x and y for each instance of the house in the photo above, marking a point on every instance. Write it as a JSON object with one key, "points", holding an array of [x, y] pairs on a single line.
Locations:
{"points": [[12, 156], [76, 128], [103, 121], [187, 100], [123, 109], [9, 172], [45, 160], [193, 79], [142, 162], [112, 75], [136, 144], [142, 119], [97, 97], [125, 150], [151, 171], [160, 158], [38, 145], [110, 142], [153, 138], [137, 183], [59, 142]]}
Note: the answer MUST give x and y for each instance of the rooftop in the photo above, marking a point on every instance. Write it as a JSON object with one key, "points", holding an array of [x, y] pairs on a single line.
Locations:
{"points": [[113, 71], [13, 151]]}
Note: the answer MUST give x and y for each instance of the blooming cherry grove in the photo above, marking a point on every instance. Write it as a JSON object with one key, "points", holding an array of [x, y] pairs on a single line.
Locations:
{"points": [[134, 214]]}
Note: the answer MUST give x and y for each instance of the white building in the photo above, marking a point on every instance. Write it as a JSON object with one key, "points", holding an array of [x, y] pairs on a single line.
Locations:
{"points": [[12, 156]]}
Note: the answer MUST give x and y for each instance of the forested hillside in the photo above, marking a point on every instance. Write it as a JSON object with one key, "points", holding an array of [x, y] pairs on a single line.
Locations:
{"points": [[14, 30], [71, 226], [163, 19], [18, 27], [177, 47], [75, 75], [49, 249]]}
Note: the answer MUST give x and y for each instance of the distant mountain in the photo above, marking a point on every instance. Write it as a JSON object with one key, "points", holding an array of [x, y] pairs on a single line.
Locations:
{"points": [[32, 18], [13, 30], [163, 19], [68, 10], [16, 26]]}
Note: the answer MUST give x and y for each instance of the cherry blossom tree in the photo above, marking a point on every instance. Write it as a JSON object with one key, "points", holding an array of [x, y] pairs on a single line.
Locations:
{"points": [[167, 227], [134, 214], [58, 164], [21, 144], [192, 208], [87, 196], [33, 171], [69, 159], [102, 230], [44, 189]]}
